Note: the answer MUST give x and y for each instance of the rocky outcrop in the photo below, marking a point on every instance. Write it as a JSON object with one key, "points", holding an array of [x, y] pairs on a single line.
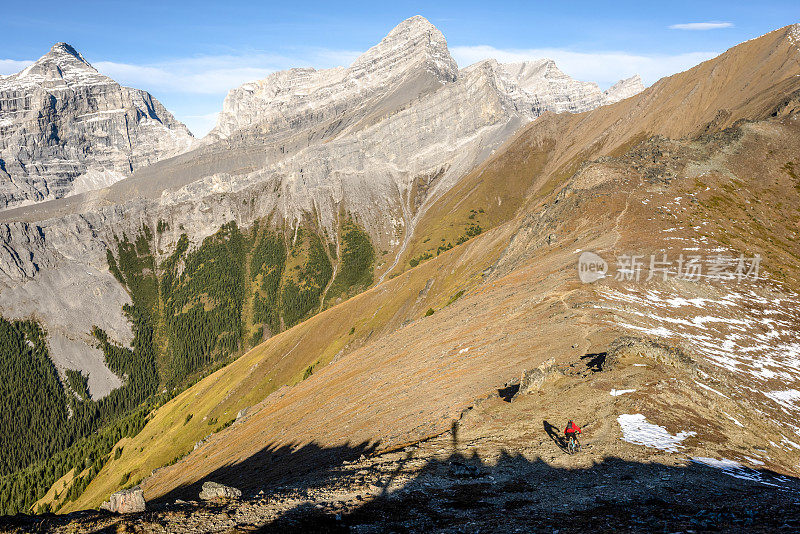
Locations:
{"points": [[213, 490], [539, 86], [126, 501], [532, 380], [624, 89], [65, 128], [660, 352]]}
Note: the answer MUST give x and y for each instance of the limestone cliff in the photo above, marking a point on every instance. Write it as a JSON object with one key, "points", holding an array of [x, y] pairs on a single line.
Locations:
{"points": [[65, 129]]}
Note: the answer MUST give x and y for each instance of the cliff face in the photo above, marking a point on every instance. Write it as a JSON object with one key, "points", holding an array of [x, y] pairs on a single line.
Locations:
{"points": [[381, 139], [65, 129], [411, 61]]}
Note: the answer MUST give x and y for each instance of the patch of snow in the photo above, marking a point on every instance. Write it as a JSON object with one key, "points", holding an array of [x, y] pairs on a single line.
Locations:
{"points": [[789, 442], [709, 388], [735, 421], [618, 392], [637, 430], [750, 332], [785, 398], [737, 470]]}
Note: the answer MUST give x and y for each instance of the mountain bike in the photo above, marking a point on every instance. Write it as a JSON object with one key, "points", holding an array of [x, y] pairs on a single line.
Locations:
{"points": [[573, 445]]}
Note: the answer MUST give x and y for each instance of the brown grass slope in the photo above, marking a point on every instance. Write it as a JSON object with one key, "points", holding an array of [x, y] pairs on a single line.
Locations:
{"points": [[400, 377]]}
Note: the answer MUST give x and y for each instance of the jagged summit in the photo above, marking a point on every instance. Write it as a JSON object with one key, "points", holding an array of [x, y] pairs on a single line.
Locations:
{"points": [[414, 40], [76, 129], [538, 85], [61, 65], [62, 48], [411, 61]]}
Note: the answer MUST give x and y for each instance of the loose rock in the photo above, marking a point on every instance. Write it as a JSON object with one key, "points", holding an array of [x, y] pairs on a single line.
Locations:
{"points": [[126, 501], [214, 490]]}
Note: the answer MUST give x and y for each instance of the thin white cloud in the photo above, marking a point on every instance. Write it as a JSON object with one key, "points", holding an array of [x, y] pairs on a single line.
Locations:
{"points": [[12, 66], [205, 74], [701, 26], [195, 79], [215, 74], [605, 68]]}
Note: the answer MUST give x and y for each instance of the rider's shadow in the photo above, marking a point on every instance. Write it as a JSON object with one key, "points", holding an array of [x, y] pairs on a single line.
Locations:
{"points": [[555, 435]]}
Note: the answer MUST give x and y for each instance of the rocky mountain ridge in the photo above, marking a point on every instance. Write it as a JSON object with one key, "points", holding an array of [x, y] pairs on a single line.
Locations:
{"points": [[666, 374], [381, 139], [66, 129], [683, 370], [411, 61]]}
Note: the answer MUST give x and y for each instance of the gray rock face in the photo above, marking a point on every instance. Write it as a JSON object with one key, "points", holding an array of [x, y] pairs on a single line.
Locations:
{"points": [[532, 380], [411, 61], [382, 139], [126, 502], [213, 490], [624, 89], [65, 128], [539, 86]]}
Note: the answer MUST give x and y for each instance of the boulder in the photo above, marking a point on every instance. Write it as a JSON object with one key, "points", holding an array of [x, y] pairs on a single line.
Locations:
{"points": [[213, 490], [532, 379], [669, 355], [126, 501]]}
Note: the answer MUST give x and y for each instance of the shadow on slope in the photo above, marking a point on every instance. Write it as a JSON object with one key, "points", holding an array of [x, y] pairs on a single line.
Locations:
{"points": [[466, 493], [276, 465], [341, 491]]}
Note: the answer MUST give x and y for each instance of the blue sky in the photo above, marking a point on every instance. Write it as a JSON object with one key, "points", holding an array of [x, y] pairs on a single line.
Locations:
{"points": [[188, 54]]}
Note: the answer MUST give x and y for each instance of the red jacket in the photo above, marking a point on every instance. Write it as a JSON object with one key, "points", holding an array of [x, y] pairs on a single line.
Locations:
{"points": [[572, 428]]}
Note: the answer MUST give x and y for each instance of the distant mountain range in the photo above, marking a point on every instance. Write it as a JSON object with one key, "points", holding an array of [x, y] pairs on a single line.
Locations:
{"points": [[359, 254], [380, 139]]}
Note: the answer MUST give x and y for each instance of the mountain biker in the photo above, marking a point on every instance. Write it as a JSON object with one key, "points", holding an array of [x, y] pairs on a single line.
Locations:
{"points": [[572, 431]]}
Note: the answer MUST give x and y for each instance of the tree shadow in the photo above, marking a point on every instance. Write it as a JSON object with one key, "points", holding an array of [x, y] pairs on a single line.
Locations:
{"points": [[276, 466], [533, 496]]}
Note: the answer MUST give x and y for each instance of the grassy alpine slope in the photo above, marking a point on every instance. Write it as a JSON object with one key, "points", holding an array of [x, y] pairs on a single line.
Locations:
{"points": [[599, 182]]}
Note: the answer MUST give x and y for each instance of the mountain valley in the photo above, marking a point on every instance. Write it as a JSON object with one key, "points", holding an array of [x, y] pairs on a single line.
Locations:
{"points": [[359, 300]]}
